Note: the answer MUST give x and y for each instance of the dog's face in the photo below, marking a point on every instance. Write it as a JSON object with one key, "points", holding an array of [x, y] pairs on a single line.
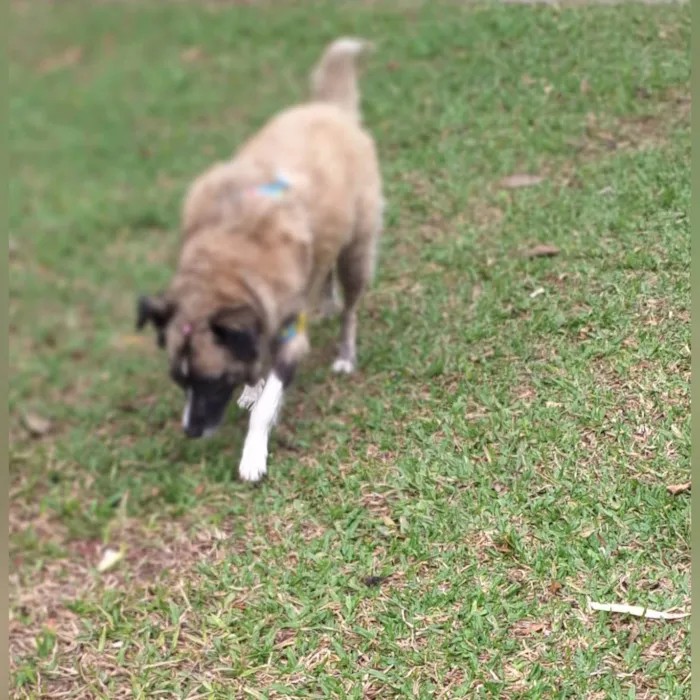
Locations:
{"points": [[210, 351]]}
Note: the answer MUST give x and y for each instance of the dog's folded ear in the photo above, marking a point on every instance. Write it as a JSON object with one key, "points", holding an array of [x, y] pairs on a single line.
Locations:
{"points": [[239, 330], [156, 310]]}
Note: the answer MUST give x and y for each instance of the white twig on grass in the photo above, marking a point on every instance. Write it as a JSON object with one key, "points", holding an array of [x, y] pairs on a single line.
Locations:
{"points": [[637, 610]]}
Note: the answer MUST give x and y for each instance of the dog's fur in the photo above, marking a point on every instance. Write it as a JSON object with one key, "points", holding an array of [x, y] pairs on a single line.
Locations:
{"points": [[251, 263]]}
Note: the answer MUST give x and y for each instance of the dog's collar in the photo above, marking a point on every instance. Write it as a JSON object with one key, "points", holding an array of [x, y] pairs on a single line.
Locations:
{"points": [[273, 189], [293, 328]]}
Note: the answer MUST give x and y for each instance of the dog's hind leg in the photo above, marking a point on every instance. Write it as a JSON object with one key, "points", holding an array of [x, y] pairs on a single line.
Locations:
{"points": [[355, 270], [329, 304]]}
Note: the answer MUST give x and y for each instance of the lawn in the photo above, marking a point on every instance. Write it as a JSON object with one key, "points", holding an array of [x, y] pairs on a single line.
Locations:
{"points": [[435, 525]]}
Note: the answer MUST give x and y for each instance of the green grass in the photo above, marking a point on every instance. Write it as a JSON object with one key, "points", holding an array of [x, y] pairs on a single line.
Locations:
{"points": [[434, 526]]}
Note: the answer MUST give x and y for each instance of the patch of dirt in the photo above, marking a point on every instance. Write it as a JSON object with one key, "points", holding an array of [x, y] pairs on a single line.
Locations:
{"points": [[604, 133], [40, 599], [485, 215]]}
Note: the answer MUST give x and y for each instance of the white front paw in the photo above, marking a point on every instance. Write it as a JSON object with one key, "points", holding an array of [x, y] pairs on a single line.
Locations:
{"points": [[343, 366], [253, 464], [251, 394]]}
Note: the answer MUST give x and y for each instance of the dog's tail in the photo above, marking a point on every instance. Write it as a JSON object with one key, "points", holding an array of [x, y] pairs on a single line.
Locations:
{"points": [[334, 78]]}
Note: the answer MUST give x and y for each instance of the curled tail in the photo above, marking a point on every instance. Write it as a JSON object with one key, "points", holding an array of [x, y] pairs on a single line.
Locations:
{"points": [[334, 78]]}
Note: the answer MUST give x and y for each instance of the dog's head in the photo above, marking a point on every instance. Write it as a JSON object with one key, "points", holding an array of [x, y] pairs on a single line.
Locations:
{"points": [[215, 319], [212, 349]]}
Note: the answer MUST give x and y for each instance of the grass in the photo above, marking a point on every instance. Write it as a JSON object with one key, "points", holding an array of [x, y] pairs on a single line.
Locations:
{"points": [[434, 526]]}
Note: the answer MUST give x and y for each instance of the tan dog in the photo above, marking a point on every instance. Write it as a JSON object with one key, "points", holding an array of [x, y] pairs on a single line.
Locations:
{"points": [[265, 234]]}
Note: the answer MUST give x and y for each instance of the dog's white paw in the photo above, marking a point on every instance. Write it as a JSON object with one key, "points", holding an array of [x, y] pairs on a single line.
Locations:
{"points": [[251, 394], [343, 366], [253, 466]]}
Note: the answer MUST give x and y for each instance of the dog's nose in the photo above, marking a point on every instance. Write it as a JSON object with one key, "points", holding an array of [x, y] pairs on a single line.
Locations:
{"points": [[193, 431]]}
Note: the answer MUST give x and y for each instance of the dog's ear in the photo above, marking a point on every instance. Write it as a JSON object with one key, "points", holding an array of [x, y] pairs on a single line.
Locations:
{"points": [[239, 330], [156, 310]]}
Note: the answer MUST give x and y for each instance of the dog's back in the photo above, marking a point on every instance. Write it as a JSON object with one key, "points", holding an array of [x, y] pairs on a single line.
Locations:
{"points": [[328, 158], [322, 151]]}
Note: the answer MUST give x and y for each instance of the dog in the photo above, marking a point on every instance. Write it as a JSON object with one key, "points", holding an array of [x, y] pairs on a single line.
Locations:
{"points": [[266, 237]]}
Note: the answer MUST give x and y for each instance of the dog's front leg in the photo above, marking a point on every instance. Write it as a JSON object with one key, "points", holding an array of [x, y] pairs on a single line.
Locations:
{"points": [[263, 416]]}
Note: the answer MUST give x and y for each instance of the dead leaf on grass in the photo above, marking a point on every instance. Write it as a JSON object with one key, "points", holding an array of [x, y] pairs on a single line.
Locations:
{"points": [[285, 637], [636, 610], [68, 58], [554, 587], [37, 425], [525, 628], [191, 55], [518, 180], [110, 558], [675, 489], [541, 250], [131, 340], [677, 432], [108, 43]]}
